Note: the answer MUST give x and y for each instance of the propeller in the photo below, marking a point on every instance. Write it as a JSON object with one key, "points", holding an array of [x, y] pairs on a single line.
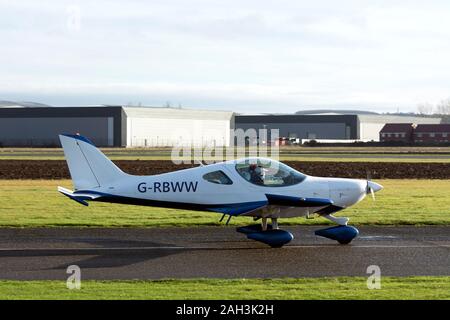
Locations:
{"points": [[369, 188], [372, 187]]}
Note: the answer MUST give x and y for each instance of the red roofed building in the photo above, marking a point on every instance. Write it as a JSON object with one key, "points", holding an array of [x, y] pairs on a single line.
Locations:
{"points": [[397, 132], [432, 133]]}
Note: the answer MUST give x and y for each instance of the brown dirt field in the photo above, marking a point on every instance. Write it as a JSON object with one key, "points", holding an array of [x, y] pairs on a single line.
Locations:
{"points": [[57, 169]]}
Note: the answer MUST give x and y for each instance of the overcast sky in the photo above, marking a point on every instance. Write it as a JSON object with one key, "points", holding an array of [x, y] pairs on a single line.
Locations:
{"points": [[255, 56]]}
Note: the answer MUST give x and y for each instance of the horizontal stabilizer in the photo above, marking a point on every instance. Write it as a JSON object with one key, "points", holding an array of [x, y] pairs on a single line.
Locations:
{"points": [[288, 201], [78, 197]]}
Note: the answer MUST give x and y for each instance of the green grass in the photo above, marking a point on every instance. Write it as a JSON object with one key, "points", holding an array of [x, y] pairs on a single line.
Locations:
{"points": [[222, 289], [36, 203], [304, 154]]}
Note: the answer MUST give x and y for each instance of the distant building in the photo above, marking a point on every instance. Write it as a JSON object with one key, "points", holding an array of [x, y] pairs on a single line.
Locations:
{"points": [[296, 127], [370, 125], [432, 133], [397, 132], [155, 126], [410, 133], [113, 126], [328, 125]]}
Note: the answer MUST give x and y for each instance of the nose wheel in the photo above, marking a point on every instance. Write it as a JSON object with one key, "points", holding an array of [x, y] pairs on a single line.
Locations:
{"points": [[342, 234]]}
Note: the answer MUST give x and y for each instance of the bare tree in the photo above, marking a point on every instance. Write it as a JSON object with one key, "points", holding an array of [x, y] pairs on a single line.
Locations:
{"points": [[425, 108], [443, 107]]}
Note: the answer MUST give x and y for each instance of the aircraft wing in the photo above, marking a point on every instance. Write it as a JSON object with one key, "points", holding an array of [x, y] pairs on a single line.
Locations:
{"points": [[237, 208], [272, 199], [288, 201], [79, 197]]}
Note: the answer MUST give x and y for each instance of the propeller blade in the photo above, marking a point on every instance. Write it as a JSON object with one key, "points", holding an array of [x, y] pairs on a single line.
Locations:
{"points": [[369, 189], [373, 194]]}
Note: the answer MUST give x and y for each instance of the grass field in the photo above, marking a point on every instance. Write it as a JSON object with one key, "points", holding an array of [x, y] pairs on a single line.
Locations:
{"points": [[220, 289], [362, 154], [36, 203]]}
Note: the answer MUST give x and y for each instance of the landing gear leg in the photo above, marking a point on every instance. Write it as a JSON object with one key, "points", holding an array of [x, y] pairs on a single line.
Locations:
{"points": [[264, 224], [274, 223]]}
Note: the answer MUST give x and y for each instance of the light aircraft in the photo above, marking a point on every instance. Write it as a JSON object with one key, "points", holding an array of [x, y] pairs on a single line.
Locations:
{"points": [[257, 187]]}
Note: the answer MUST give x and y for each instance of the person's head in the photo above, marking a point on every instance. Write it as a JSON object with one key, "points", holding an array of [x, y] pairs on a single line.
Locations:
{"points": [[253, 166]]}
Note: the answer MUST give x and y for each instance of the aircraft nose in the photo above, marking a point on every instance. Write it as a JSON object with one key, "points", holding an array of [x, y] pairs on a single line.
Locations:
{"points": [[374, 186]]}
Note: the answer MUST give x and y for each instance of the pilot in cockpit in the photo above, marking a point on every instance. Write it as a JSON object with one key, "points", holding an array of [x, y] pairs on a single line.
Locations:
{"points": [[256, 174]]}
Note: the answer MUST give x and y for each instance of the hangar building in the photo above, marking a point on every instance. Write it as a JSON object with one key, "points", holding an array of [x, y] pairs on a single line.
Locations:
{"points": [[303, 126], [365, 126], [168, 126], [114, 126]]}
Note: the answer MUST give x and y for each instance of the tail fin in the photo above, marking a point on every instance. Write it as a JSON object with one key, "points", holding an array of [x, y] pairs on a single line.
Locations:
{"points": [[88, 166]]}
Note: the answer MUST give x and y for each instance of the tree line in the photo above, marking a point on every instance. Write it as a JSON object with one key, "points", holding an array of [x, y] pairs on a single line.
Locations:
{"points": [[442, 108]]}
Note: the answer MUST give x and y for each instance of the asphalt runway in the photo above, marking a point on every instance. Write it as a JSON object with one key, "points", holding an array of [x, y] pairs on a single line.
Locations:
{"points": [[218, 252]]}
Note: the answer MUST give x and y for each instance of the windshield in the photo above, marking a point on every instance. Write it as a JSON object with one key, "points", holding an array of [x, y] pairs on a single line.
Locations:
{"points": [[269, 173]]}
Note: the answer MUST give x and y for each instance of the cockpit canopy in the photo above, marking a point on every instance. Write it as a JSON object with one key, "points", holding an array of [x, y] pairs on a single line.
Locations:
{"points": [[269, 173]]}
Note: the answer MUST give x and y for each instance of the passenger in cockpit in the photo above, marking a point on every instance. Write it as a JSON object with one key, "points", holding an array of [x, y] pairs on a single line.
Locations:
{"points": [[256, 174]]}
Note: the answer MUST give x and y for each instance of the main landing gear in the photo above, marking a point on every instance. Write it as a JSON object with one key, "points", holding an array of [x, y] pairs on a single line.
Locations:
{"points": [[271, 235], [268, 234]]}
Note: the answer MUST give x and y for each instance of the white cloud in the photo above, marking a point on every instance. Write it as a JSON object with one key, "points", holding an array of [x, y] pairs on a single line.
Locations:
{"points": [[256, 55]]}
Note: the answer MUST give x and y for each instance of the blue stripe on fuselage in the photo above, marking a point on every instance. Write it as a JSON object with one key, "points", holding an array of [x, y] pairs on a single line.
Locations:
{"points": [[227, 208]]}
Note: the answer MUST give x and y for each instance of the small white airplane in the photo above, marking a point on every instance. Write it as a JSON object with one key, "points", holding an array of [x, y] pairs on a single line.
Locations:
{"points": [[257, 187]]}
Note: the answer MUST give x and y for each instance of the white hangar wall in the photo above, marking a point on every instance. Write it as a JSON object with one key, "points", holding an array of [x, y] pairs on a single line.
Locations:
{"points": [[151, 127]]}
